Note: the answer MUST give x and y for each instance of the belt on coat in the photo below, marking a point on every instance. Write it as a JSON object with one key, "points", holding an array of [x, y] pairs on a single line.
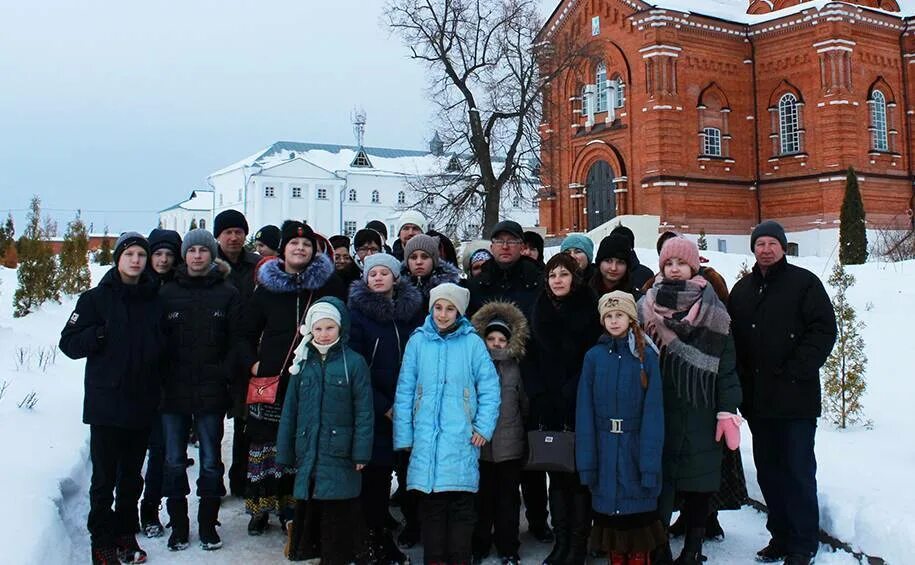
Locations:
{"points": [[619, 426]]}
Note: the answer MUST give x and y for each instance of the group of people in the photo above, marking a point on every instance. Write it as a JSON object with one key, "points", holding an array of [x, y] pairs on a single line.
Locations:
{"points": [[344, 362]]}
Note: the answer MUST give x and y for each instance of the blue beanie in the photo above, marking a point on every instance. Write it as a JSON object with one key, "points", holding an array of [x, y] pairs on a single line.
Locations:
{"points": [[380, 260], [579, 241]]}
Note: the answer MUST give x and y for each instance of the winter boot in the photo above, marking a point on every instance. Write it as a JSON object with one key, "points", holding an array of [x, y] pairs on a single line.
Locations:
{"points": [[129, 550], [799, 559], [772, 553], [178, 522], [580, 527], [617, 558], [692, 548], [105, 555], [637, 558], [207, 515], [259, 524], [662, 555], [149, 519], [596, 542], [713, 529], [409, 536], [678, 528], [560, 511], [390, 553], [541, 532]]}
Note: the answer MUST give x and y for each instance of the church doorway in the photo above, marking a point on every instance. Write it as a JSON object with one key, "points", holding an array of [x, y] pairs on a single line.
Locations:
{"points": [[601, 198]]}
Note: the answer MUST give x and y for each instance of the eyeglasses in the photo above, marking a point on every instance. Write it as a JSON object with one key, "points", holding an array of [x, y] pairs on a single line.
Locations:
{"points": [[368, 250], [505, 242]]}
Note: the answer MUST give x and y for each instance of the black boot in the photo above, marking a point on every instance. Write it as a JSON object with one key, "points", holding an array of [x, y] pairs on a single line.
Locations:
{"points": [[258, 524], [149, 519], [560, 511], [207, 516], [178, 522], [678, 528], [662, 555], [713, 530], [579, 527], [692, 548]]}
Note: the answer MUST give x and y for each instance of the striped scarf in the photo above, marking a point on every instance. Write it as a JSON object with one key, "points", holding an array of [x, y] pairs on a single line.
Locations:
{"points": [[691, 326]]}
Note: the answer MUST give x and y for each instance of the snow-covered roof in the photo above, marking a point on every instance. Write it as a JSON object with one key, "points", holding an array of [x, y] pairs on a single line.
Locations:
{"points": [[199, 200]]}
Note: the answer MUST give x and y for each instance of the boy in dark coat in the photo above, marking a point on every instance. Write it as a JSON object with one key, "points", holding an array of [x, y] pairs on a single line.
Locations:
{"points": [[116, 328]]}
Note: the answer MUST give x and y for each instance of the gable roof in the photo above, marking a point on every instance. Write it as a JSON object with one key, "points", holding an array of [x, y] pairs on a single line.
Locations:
{"points": [[199, 200]]}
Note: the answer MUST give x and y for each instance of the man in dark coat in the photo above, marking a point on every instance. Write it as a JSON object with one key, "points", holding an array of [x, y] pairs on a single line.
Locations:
{"points": [[230, 230], [784, 329], [510, 277], [638, 273], [116, 328], [202, 327]]}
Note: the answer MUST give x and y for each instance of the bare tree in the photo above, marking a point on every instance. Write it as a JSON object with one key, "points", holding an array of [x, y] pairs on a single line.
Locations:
{"points": [[487, 77]]}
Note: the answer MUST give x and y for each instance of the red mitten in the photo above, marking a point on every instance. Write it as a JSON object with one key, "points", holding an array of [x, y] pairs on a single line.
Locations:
{"points": [[729, 427]]}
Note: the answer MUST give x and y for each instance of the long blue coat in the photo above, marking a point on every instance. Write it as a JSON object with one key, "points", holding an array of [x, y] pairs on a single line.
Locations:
{"points": [[621, 469], [448, 389]]}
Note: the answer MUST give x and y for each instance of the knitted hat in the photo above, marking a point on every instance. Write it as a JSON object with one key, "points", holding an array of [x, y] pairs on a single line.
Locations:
{"points": [[662, 239], [292, 229], [625, 232], [508, 226], [269, 235], [202, 237], [498, 325], [614, 246], [127, 239], [380, 260], [682, 249], [617, 301], [411, 217], [480, 255], [579, 241], [338, 241], [319, 311], [457, 295], [164, 239], [769, 228], [422, 242], [229, 219], [378, 226], [367, 235]]}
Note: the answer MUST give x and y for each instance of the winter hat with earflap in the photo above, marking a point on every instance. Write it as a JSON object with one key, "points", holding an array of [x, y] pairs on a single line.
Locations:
{"points": [[457, 295], [128, 239], [202, 237], [422, 242], [579, 241], [318, 311], [380, 260], [682, 249], [617, 301]]}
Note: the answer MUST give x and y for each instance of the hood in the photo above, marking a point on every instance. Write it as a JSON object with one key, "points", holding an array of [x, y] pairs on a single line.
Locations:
{"points": [[510, 314], [605, 339], [271, 275], [445, 273], [406, 303], [344, 315]]}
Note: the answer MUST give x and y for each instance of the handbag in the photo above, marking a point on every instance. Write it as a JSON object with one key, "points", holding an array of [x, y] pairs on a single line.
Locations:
{"points": [[263, 390], [550, 451]]}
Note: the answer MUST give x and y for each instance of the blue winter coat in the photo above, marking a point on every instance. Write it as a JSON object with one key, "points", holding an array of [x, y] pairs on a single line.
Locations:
{"points": [[621, 469], [448, 389], [379, 330]]}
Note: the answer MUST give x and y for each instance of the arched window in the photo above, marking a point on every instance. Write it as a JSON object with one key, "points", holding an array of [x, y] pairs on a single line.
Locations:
{"points": [[401, 197], [516, 201], [376, 198], [789, 134], [600, 81], [352, 195], [878, 121], [586, 108], [711, 142]]}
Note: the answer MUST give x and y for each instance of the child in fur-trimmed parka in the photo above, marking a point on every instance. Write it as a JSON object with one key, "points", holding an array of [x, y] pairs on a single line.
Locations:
{"points": [[504, 329]]}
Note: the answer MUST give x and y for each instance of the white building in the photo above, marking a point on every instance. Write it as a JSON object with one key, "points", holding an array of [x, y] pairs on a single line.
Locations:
{"points": [[335, 188], [198, 209]]}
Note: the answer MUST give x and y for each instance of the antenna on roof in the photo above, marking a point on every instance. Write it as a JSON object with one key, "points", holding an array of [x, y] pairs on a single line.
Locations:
{"points": [[358, 117]]}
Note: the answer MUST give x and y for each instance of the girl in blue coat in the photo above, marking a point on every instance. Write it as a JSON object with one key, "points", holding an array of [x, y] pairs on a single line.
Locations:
{"points": [[445, 410], [620, 433]]}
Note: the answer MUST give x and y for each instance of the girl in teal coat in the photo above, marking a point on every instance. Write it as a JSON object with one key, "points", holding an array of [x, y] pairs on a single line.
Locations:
{"points": [[445, 410], [325, 433]]}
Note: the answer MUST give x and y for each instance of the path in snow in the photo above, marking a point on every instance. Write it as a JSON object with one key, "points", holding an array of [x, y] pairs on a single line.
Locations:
{"points": [[745, 530]]}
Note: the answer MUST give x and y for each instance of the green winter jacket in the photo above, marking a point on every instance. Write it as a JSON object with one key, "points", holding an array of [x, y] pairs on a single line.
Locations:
{"points": [[327, 422]]}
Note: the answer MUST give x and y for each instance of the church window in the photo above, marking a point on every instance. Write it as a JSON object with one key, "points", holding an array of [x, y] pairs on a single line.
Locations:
{"points": [[600, 78], [586, 108], [401, 197], [297, 192], [349, 228], [430, 200], [595, 25], [351, 196], [789, 131], [376, 197], [322, 193], [269, 192], [711, 142], [202, 224], [878, 121], [617, 92]]}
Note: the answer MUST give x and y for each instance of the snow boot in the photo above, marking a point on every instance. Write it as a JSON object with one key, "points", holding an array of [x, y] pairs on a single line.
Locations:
{"points": [[105, 555], [207, 515], [149, 519], [259, 524], [692, 548], [390, 553], [713, 529], [580, 528], [179, 523], [559, 509], [772, 553], [129, 551]]}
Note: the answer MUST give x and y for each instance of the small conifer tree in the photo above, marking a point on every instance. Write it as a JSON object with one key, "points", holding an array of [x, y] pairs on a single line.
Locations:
{"points": [[103, 257], [193, 224], [843, 373], [73, 272], [744, 270], [37, 267], [702, 243], [7, 233], [852, 227]]}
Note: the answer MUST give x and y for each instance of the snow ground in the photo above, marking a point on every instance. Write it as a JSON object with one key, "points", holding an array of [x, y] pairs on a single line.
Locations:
{"points": [[863, 473]]}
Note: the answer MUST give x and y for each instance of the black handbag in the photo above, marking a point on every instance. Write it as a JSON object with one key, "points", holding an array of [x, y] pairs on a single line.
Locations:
{"points": [[550, 451]]}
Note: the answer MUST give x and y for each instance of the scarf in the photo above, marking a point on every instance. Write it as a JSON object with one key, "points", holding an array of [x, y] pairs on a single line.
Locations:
{"points": [[691, 326]]}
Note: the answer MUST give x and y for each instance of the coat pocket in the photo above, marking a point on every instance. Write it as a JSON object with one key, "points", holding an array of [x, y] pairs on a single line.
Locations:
{"points": [[340, 441]]}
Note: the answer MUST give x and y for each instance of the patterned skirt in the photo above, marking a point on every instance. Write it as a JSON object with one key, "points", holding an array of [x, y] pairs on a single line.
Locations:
{"points": [[628, 533], [270, 485]]}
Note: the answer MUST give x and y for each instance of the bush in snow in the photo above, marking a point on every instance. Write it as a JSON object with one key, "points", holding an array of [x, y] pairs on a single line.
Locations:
{"points": [[852, 232], [744, 270], [37, 268], [104, 257], [702, 243], [7, 243], [843, 373], [73, 272]]}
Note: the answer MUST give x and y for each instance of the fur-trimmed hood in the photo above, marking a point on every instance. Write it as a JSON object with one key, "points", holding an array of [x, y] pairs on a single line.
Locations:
{"points": [[405, 304], [510, 314], [274, 278]]}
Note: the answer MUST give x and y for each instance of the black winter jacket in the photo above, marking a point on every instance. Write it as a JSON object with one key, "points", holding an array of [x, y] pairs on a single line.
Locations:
{"points": [[520, 284], [242, 274], [117, 329], [202, 316], [784, 328]]}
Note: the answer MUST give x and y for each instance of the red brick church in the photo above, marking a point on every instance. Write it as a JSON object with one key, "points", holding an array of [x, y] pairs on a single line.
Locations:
{"points": [[713, 114]]}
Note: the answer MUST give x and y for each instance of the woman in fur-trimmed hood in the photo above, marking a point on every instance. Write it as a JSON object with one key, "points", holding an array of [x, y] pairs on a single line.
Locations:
{"points": [[424, 268]]}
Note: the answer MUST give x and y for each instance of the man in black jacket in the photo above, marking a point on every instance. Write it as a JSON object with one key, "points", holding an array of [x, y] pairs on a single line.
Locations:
{"points": [[202, 328], [116, 328], [230, 230], [784, 328]]}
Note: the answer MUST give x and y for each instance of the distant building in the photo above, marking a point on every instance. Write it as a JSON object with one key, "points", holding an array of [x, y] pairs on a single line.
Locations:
{"points": [[197, 209]]}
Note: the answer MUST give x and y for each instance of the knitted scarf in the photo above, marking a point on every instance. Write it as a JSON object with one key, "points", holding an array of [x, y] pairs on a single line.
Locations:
{"points": [[691, 325]]}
